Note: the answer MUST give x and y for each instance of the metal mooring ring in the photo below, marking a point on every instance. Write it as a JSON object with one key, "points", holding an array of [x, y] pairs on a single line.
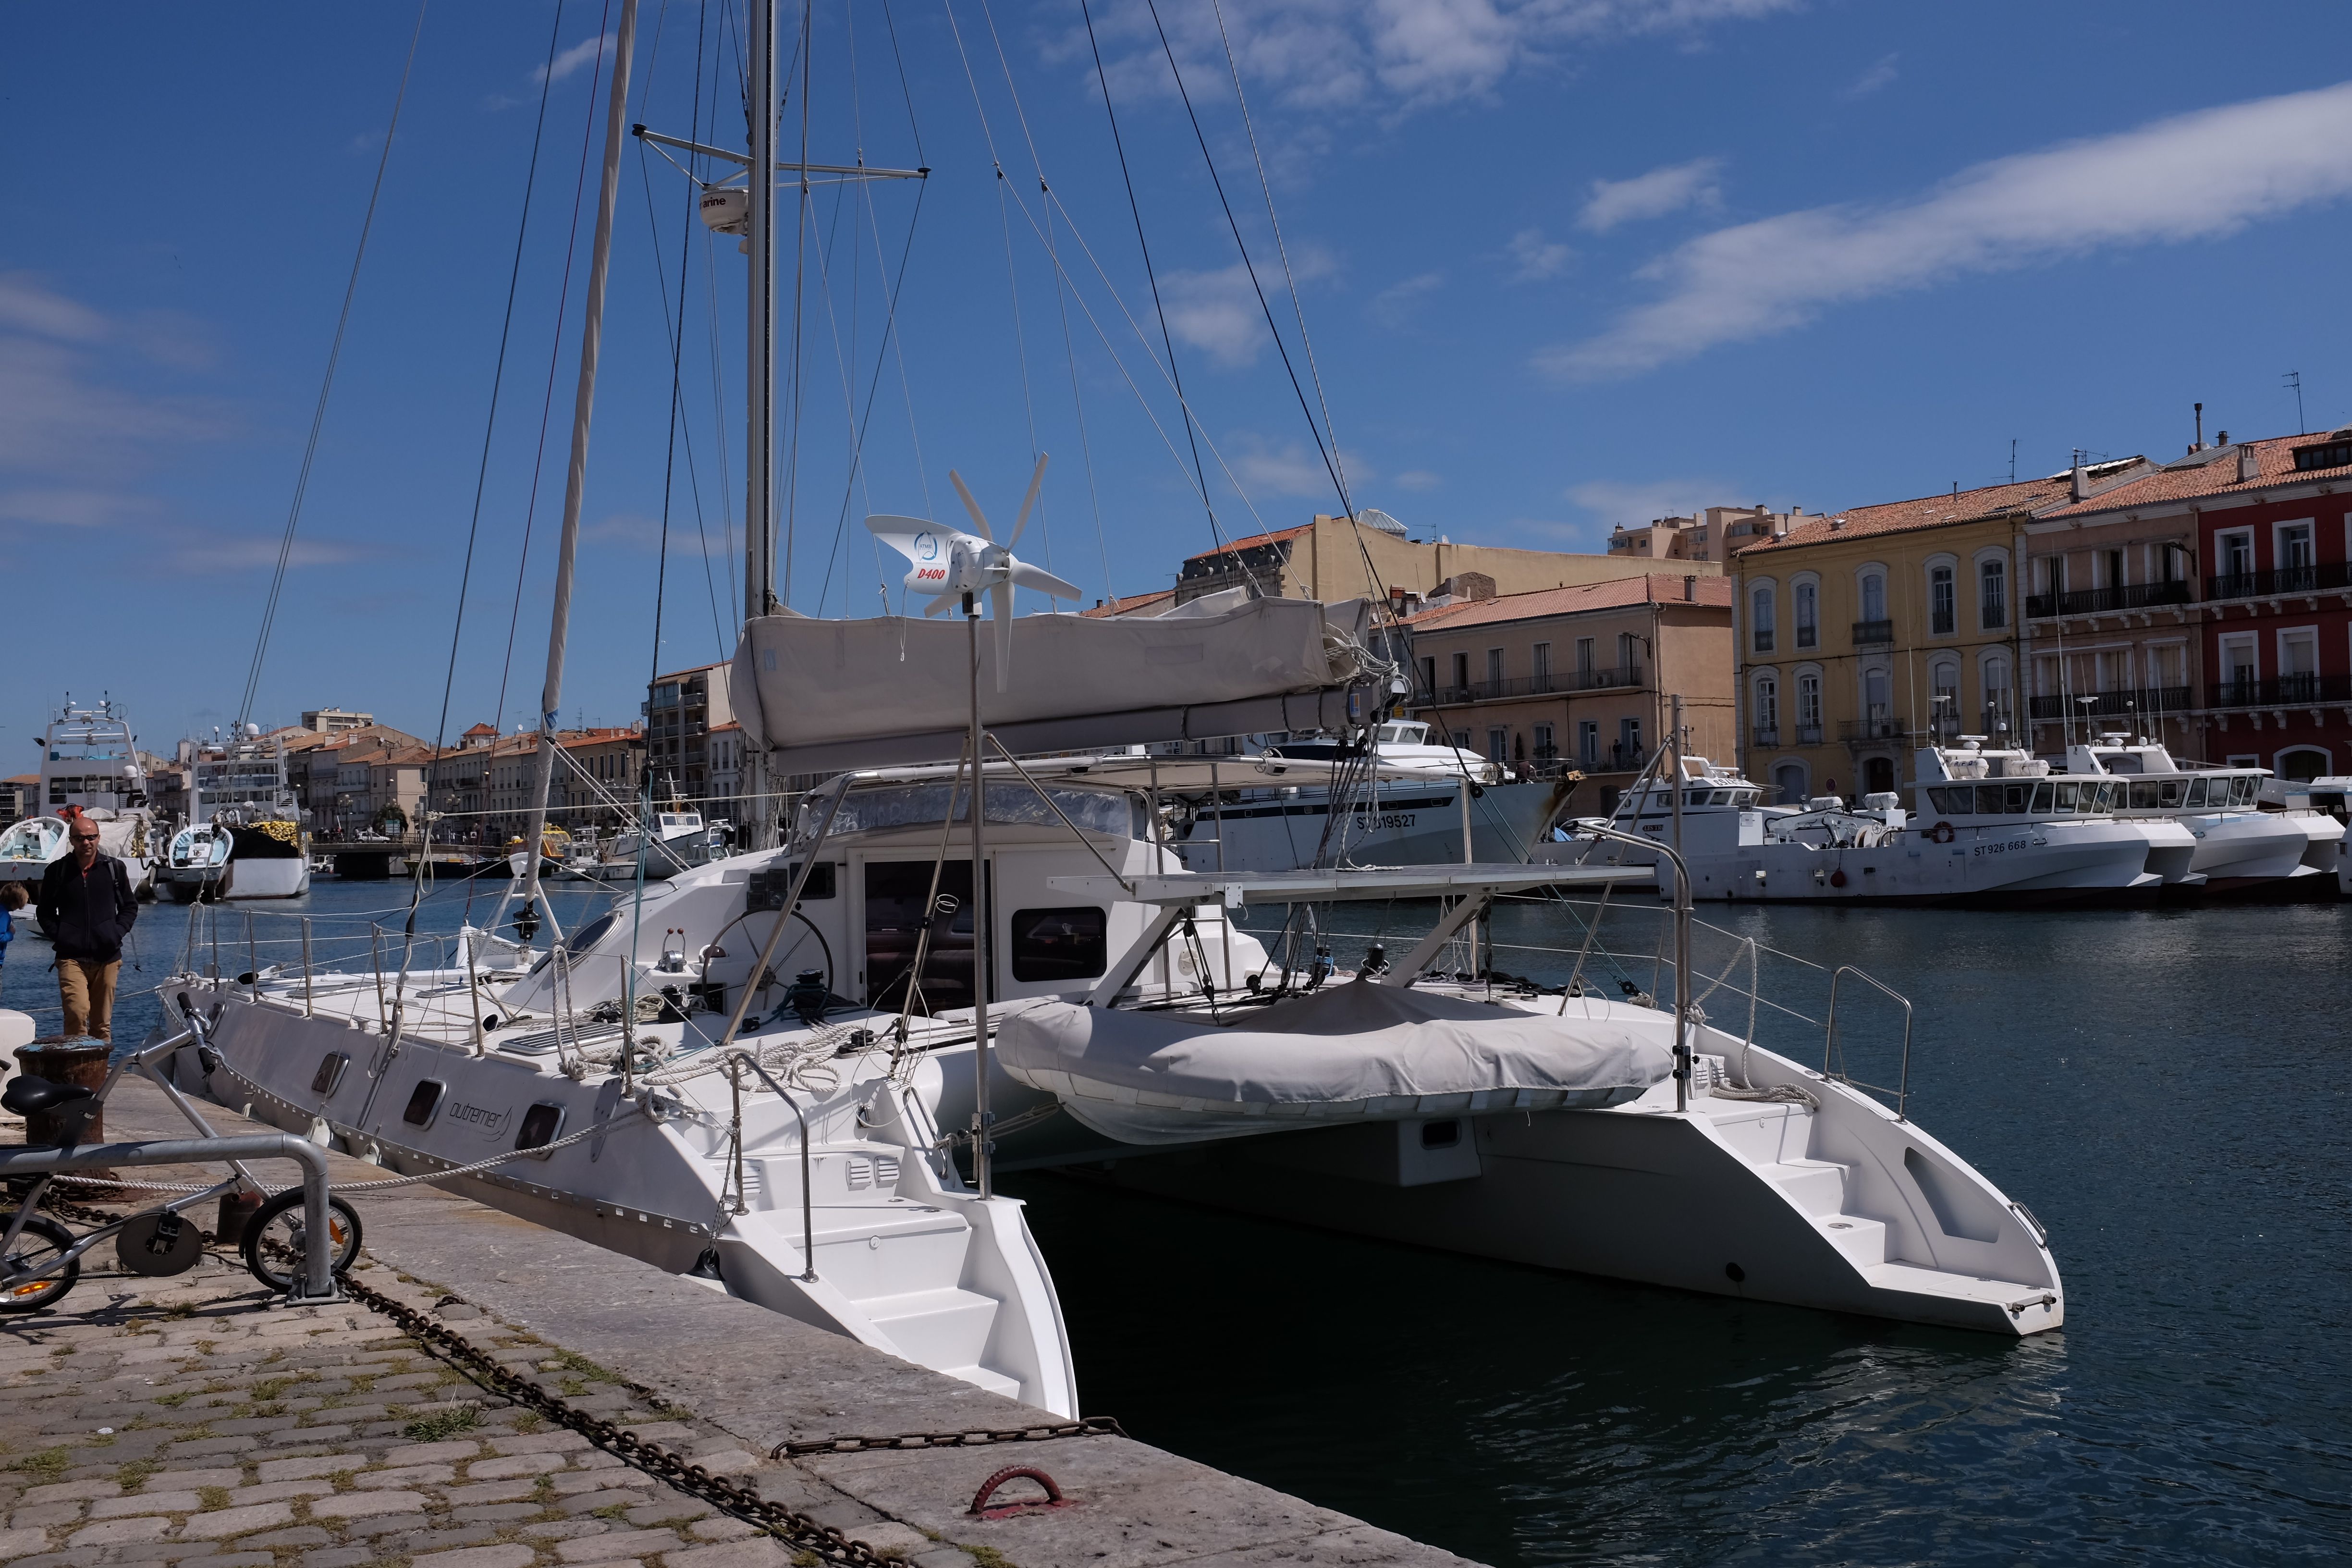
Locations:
{"points": [[1053, 1498]]}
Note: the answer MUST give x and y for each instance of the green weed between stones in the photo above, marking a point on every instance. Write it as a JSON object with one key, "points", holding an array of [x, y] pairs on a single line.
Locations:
{"points": [[45, 1466], [443, 1424]]}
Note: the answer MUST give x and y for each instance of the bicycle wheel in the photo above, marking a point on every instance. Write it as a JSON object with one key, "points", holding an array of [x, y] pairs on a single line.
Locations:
{"points": [[41, 1241], [277, 1236]]}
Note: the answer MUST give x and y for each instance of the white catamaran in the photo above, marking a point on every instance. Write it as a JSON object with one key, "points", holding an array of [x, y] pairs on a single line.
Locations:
{"points": [[795, 1072]]}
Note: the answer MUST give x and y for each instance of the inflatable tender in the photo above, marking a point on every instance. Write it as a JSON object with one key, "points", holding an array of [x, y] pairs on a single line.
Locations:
{"points": [[1356, 1052]]}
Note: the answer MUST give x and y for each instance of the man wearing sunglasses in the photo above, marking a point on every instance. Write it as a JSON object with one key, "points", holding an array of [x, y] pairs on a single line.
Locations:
{"points": [[86, 907]]}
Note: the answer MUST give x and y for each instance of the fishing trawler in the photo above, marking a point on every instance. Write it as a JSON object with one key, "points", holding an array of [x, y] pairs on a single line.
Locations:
{"points": [[89, 767], [2241, 848], [245, 839], [2022, 836]]}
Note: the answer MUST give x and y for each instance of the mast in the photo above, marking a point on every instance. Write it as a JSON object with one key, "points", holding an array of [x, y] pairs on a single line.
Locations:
{"points": [[759, 375], [591, 342]]}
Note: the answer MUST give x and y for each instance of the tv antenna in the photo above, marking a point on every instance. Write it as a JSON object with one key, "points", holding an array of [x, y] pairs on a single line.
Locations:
{"points": [[2293, 379]]}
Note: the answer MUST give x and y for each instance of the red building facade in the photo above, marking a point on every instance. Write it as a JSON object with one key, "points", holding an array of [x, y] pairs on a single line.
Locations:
{"points": [[2265, 605]]}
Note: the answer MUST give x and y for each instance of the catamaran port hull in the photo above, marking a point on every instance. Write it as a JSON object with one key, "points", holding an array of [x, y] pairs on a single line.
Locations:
{"points": [[1853, 1212]]}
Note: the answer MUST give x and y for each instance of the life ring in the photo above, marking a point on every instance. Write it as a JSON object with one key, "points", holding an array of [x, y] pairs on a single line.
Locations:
{"points": [[1942, 833]]}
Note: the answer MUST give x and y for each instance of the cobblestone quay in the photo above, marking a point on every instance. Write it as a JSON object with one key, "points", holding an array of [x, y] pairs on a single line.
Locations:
{"points": [[191, 1421]]}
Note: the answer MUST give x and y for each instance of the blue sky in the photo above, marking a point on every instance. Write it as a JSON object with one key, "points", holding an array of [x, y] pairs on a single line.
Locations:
{"points": [[1563, 264]]}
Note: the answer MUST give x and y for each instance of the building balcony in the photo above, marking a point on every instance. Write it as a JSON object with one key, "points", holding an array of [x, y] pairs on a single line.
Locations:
{"points": [[2282, 692], [2285, 579], [1627, 759], [1808, 734], [1556, 683], [1765, 735], [1869, 731], [2107, 601], [1873, 634], [2146, 699]]}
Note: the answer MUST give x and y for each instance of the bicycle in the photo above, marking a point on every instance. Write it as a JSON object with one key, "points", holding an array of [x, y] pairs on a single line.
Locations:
{"points": [[40, 1258]]}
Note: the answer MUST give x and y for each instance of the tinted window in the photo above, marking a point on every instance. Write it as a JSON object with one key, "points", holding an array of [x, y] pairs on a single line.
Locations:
{"points": [[1059, 944]]}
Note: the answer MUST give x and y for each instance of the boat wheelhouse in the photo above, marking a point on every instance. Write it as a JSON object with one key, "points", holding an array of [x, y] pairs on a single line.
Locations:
{"points": [[89, 767]]}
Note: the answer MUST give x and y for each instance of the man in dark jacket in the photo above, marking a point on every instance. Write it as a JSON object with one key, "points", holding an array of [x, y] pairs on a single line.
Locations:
{"points": [[87, 907]]}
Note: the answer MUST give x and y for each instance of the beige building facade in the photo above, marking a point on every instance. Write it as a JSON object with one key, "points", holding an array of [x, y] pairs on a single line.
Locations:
{"points": [[1580, 678]]}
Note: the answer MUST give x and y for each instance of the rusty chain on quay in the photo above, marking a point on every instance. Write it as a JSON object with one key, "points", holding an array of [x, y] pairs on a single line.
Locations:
{"points": [[681, 1473]]}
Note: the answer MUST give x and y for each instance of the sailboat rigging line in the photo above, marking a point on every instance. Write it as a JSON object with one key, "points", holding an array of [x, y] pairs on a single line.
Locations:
{"points": [[800, 304], [677, 353], [490, 426], [865, 420], [554, 358], [1061, 307], [1135, 209], [1266, 310], [1339, 464], [327, 382]]}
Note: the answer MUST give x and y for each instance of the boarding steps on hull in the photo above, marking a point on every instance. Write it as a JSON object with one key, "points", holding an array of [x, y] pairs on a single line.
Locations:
{"points": [[900, 1264], [1777, 1140]]}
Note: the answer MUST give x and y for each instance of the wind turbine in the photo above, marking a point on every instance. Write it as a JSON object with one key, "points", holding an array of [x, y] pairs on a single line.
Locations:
{"points": [[949, 564]]}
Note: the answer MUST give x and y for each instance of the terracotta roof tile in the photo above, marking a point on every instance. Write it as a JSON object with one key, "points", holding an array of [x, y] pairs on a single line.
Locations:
{"points": [[1656, 587], [1928, 511], [1129, 604], [1253, 540], [2274, 466]]}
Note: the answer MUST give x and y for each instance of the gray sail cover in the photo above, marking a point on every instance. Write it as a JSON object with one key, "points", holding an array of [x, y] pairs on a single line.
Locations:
{"points": [[826, 694], [1354, 1052]]}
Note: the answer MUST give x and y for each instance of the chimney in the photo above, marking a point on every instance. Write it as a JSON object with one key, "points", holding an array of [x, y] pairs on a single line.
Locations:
{"points": [[2248, 469], [1690, 589], [2200, 429], [2076, 485]]}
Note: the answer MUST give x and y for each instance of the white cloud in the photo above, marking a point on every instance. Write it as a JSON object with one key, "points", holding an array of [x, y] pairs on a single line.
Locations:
{"points": [[2192, 177], [1291, 468], [572, 61], [1215, 311], [1417, 481], [1535, 258], [1882, 73], [1653, 194], [1392, 306], [1382, 54], [26, 307], [1635, 503]]}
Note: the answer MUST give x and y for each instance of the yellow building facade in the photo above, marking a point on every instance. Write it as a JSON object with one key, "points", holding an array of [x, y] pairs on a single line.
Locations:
{"points": [[1865, 634]]}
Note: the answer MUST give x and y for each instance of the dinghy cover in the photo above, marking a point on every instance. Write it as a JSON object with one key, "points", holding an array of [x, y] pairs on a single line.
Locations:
{"points": [[1353, 1053]]}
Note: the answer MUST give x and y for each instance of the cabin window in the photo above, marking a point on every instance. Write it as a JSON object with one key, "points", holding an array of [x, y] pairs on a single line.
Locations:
{"points": [[541, 1123], [2245, 790], [329, 1073], [895, 923], [1060, 944], [2146, 795], [423, 1101], [2196, 793], [2069, 795], [2042, 799]]}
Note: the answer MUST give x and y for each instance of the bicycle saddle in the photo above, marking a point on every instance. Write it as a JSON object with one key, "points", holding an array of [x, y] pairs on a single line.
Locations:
{"points": [[24, 1095]]}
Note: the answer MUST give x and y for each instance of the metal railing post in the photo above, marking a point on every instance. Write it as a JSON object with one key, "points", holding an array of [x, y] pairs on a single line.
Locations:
{"points": [[212, 920], [1829, 1042], [252, 959], [375, 957], [808, 1197], [307, 1010], [735, 1134]]}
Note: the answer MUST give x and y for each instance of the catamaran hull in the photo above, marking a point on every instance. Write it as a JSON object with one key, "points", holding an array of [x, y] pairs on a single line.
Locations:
{"points": [[944, 1279], [1764, 1201]]}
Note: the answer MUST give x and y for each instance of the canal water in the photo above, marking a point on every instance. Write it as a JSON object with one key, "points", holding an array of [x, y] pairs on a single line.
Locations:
{"points": [[2168, 1090]]}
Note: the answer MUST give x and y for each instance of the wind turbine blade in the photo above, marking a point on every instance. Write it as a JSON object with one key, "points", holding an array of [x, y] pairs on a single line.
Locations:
{"points": [[1045, 582], [1036, 480], [1000, 599], [970, 505], [939, 607], [898, 532]]}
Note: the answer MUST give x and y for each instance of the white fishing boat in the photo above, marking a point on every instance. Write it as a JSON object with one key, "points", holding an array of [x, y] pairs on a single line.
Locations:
{"points": [[245, 837], [2013, 834], [679, 840], [1406, 803], [89, 767], [2241, 848]]}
